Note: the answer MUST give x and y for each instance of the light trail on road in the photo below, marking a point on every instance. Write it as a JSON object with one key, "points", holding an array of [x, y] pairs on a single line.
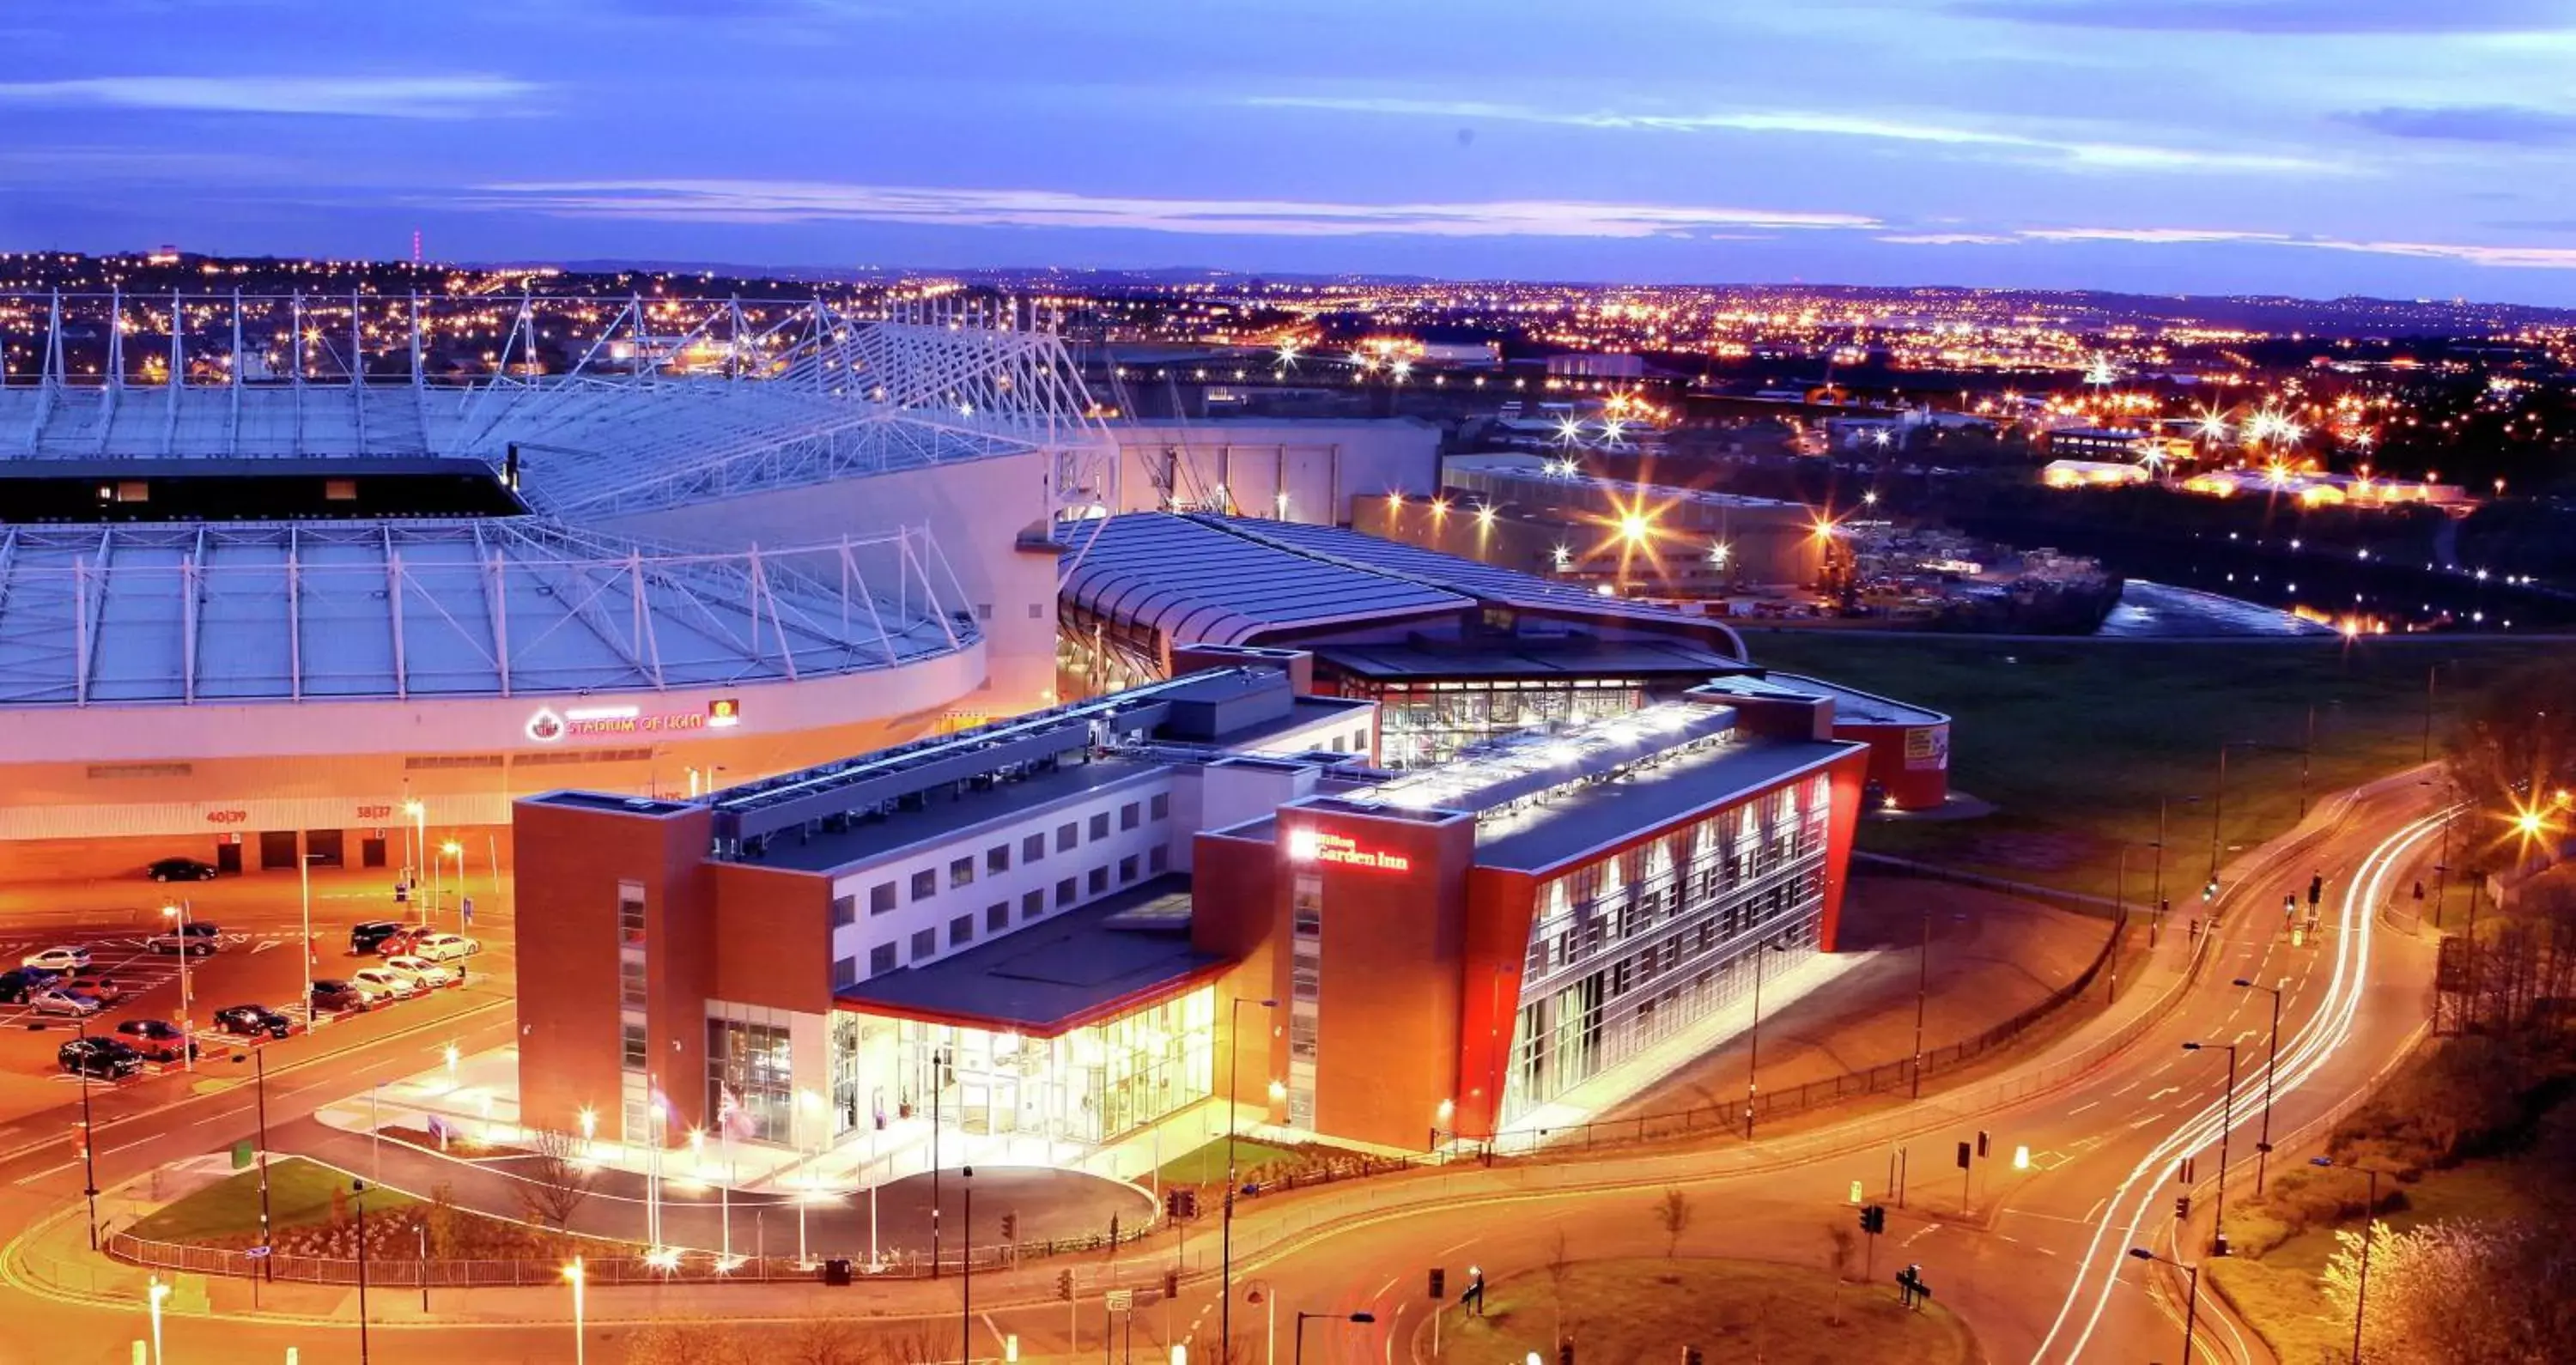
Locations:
{"points": [[2310, 1047]]}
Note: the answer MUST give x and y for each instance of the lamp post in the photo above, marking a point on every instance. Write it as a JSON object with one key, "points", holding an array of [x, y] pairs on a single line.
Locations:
{"points": [[966, 1274], [2226, 1122], [1297, 1347], [455, 850], [938, 1082], [2191, 1305], [359, 1189], [1753, 1047], [572, 1273], [2271, 1056], [259, 1064], [1225, 1252], [2369, 1225], [1922, 993], [419, 813], [304, 876], [187, 981], [89, 1141]]}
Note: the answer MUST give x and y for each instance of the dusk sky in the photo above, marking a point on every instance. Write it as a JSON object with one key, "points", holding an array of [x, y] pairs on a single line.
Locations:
{"points": [[2392, 147]]}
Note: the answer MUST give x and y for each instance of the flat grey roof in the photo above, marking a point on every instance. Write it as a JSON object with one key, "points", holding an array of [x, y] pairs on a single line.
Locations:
{"points": [[945, 816], [1541, 837], [1094, 963], [1869, 707]]}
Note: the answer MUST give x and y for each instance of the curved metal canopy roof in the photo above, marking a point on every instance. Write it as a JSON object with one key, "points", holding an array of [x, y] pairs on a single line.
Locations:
{"points": [[1194, 582]]}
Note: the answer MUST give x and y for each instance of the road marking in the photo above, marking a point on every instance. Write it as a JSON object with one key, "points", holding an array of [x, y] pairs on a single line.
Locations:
{"points": [[1924, 1231], [2147, 1120], [2088, 1104], [2161, 1070], [1447, 1249], [2168, 1090], [2091, 1213], [50, 1170], [135, 1143], [2126, 1089], [1381, 1289]]}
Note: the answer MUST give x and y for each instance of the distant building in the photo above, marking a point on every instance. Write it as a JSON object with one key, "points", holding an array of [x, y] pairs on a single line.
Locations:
{"points": [[1289, 469], [1596, 365], [2093, 474], [2103, 443]]}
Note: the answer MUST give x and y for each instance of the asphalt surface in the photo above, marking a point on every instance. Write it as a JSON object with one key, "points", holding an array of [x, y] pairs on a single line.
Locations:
{"points": [[2035, 1260]]}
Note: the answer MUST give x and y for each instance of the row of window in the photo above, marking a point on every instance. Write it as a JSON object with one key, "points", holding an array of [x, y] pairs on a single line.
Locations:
{"points": [[997, 916], [997, 859]]}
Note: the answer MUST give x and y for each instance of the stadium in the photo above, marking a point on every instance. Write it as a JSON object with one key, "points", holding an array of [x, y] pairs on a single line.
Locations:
{"points": [[291, 578]]}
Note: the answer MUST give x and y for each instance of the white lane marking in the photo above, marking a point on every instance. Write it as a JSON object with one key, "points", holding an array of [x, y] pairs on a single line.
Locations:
{"points": [[1924, 1231], [50, 1170], [2168, 1090], [2088, 1104], [2147, 1120]]}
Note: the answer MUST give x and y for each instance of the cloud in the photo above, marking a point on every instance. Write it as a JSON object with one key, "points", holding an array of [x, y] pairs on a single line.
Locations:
{"points": [[2076, 153], [788, 201], [2278, 16], [2509, 257], [2501, 123], [1951, 239], [430, 97], [2150, 236]]}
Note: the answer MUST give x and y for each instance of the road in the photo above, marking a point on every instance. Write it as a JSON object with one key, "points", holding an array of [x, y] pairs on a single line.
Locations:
{"points": [[2035, 1260]]}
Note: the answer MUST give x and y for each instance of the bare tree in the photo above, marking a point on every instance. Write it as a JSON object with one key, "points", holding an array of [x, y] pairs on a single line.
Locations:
{"points": [[1673, 1214], [685, 1341], [556, 1179], [1846, 1246], [915, 1346], [822, 1341], [1559, 1263], [439, 1218]]}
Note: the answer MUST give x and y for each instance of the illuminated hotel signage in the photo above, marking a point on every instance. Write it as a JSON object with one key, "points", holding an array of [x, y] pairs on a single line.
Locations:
{"points": [[1317, 846], [548, 726]]}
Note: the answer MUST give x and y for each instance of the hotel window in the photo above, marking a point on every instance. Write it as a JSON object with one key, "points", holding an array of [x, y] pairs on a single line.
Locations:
{"points": [[1130, 816], [845, 910], [1066, 836], [1100, 826], [1032, 905], [1127, 869], [961, 931], [1098, 881], [750, 1065], [881, 959], [1160, 808], [997, 858], [630, 912], [845, 972], [925, 944], [1032, 848], [961, 872], [880, 898], [997, 917], [1064, 893], [631, 1036], [1158, 859], [925, 884]]}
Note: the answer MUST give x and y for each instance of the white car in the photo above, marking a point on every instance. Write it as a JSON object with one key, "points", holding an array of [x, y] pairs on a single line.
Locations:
{"points": [[70, 1004], [445, 947], [393, 984], [429, 974], [65, 959]]}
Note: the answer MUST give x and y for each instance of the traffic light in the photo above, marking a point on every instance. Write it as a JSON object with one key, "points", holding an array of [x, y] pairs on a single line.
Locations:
{"points": [[2182, 1206], [1171, 1284], [1981, 1142], [2316, 889], [1064, 1285], [2209, 892], [2182, 1172], [1873, 1219], [1963, 1156], [1691, 1355], [1439, 1283], [1010, 1227]]}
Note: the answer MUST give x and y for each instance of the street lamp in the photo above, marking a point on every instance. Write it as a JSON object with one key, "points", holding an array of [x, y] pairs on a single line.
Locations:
{"points": [[1297, 1351], [1225, 1254], [2369, 1225], [2271, 1056], [419, 813], [966, 1272], [154, 1293], [2226, 1122], [304, 878], [358, 1188], [259, 1061], [187, 983], [572, 1273], [89, 1139], [1753, 1047], [2191, 1305]]}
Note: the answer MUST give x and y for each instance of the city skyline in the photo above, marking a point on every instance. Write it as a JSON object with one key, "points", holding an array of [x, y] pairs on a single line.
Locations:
{"points": [[2296, 148]]}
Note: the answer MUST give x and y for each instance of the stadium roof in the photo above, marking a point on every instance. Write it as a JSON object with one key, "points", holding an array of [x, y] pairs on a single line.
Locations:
{"points": [[335, 610], [1206, 579], [1196, 581]]}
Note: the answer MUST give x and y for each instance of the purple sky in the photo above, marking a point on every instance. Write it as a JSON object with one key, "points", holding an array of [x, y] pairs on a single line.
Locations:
{"points": [[2393, 147]]}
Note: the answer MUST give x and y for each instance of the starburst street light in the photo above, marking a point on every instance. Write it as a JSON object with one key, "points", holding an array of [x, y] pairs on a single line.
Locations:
{"points": [[2101, 372], [1569, 431]]}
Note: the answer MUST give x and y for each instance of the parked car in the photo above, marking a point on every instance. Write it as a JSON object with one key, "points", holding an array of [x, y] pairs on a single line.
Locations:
{"points": [[368, 936], [396, 985], [445, 947], [103, 988], [334, 996], [429, 974], [157, 1040], [252, 1020], [104, 1059], [181, 870], [18, 983], [370, 994], [194, 939], [63, 959], [67, 1004]]}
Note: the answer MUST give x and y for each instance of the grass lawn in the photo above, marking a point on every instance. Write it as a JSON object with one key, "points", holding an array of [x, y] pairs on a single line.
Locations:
{"points": [[1645, 1311], [2277, 1292], [299, 1193], [1206, 1166], [2075, 740]]}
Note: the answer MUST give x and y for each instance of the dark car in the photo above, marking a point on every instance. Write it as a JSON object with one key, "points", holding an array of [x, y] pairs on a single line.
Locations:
{"points": [[18, 983], [249, 1020], [181, 870], [333, 996], [156, 1039], [103, 1059], [368, 937], [194, 939]]}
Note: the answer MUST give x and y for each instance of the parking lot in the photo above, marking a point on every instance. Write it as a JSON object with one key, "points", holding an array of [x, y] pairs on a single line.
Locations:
{"points": [[258, 931]]}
